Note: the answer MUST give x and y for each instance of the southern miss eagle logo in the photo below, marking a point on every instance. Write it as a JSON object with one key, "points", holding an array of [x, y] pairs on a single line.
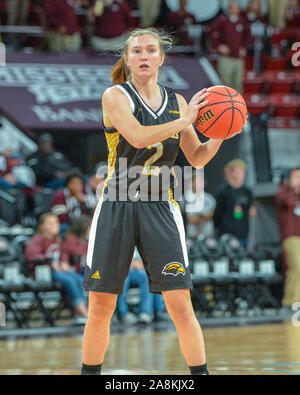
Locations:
{"points": [[174, 268]]}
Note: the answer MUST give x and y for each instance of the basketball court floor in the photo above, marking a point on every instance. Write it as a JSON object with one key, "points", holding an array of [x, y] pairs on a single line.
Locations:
{"points": [[266, 349]]}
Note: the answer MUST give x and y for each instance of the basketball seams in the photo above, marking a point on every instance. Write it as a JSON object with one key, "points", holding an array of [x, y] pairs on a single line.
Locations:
{"points": [[233, 104], [223, 102], [237, 109], [227, 109], [223, 94], [232, 114]]}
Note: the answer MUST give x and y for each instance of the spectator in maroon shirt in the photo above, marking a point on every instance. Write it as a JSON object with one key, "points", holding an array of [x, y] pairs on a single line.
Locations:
{"points": [[112, 20], [63, 31], [46, 246], [288, 204], [253, 14], [70, 202], [179, 22], [230, 36]]}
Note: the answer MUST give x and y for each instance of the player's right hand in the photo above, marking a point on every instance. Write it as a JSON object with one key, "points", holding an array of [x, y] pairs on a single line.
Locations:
{"points": [[197, 101]]}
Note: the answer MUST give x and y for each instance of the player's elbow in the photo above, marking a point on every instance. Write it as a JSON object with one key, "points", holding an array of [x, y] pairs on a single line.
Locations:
{"points": [[136, 143]]}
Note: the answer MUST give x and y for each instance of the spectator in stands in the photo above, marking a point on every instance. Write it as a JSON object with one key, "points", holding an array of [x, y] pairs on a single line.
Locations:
{"points": [[179, 22], [9, 177], [47, 246], [234, 203], [199, 208], [253, 14], [50, 166], [292, 13], [288, 203], [17, 11], [230, 36], [94, 184], [76, 242], [277, 10], [136, 277], [112, 20], [70, 202], [63, 31]]}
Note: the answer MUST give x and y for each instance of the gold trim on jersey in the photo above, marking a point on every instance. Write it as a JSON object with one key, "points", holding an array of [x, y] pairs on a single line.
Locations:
{"points": [[112, 140], [172, 200]]}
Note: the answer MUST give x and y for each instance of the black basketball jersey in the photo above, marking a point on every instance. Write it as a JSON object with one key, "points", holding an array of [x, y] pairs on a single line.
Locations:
{"points": [[145, 173]]}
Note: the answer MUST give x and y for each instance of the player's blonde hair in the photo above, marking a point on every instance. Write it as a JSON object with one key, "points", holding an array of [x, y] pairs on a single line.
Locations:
{"points": [[120, 72]]}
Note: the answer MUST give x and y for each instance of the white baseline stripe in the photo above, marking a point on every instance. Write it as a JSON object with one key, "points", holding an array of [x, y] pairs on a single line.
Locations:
{"points": [[180, 226], [132, 106], [92, 237]]}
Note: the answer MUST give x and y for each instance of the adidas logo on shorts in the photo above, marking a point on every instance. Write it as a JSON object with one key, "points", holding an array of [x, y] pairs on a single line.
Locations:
{"points": [[96, 275]]}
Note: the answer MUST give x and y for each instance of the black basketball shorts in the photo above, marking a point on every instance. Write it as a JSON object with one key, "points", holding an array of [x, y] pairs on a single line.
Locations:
{"points": [[155, 228]]}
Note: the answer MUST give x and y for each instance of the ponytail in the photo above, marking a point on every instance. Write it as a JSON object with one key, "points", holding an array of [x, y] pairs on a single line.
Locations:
{"points": [[119, 72]]}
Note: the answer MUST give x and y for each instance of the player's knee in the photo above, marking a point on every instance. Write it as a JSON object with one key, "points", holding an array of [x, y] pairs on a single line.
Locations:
{"points": [[180, 312], [102, 307]]}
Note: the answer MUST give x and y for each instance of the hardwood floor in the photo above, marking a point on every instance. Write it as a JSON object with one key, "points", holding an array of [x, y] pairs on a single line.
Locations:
{"points": [[251, 350]]}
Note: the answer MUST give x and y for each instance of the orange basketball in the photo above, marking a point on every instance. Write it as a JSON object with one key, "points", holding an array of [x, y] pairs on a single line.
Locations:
{"points": [[224, 115]]}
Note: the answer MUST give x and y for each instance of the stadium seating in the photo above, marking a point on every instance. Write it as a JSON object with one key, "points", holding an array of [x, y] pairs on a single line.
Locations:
{"points": [[284, 105], [279, 82], [27, 287], [230, 280], [257, 103], [253, 82], [278, 63]]}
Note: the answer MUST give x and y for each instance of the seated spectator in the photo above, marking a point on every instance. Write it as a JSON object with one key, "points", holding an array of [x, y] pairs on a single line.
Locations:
{"points": [[76, 242], [50, 166], [136, 277], [70, 202], [94, 185], [230, 36], [112, 20], [63, 31], [10, 177], [179, 22], [234, 203], [288, 204], [199, 209], [47, 246]]}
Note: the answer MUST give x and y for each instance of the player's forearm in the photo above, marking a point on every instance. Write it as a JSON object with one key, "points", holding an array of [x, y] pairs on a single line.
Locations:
{"points": [[205, 152], [149, 135]]}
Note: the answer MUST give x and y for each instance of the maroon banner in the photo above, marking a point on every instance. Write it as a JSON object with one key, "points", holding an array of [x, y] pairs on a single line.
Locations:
{"points": [[63, 92]]}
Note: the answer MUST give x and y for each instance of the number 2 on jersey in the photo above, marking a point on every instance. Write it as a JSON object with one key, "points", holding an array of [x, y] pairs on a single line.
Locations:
{"points": [[148, 169]]}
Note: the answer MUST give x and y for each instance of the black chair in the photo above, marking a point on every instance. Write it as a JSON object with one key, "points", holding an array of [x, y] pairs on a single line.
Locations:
{"points": [[269, 276], [11, 285], [12, 206], [50, 295], [42, 202]]}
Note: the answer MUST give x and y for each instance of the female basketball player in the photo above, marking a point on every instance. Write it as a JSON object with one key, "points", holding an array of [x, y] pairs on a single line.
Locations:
{"points": [[145, 123]]}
